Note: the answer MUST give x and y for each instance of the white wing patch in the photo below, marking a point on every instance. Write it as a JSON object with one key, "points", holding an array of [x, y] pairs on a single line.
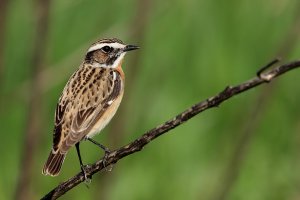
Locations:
{"points": [[110, 102], [114, 75]]}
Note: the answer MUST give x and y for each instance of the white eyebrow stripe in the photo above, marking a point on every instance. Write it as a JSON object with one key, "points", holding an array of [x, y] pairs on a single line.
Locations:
{"points": [[99, 46]]}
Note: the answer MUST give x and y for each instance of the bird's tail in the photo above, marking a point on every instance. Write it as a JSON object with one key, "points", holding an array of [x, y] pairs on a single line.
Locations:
{"points": [[54, 163]]}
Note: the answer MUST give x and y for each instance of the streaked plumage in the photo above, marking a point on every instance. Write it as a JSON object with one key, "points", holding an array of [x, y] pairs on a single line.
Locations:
{"points": [[89, 100]]}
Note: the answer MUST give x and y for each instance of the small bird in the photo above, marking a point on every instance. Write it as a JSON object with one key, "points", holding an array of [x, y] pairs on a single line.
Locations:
{"points": [[88, 102]]}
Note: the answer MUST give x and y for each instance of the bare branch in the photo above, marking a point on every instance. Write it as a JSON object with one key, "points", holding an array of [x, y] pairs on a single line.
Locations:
{"points": [[150, 135], [252, 119]]}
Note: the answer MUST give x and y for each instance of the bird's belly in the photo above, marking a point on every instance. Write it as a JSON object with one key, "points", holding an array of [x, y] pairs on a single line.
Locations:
{"points": [[106, 117]]}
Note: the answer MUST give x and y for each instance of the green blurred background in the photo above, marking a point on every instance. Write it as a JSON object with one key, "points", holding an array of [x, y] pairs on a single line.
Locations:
{"points": [[248, 148]]}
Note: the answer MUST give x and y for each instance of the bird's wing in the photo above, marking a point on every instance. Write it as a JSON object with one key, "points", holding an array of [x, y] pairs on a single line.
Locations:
{"points": [[100, 96], [89, 100], [62, 108]]}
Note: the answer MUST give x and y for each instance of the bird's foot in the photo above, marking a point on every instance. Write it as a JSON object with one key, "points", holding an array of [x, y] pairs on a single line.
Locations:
{"points": [[106, 165], [105, 157], [87, 177]]}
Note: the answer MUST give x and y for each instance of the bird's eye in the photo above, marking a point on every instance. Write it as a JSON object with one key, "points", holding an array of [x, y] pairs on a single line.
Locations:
{"points": [[106, 49]]}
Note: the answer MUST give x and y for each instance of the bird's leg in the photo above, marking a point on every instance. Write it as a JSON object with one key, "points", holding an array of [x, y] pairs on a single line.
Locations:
{"points": [[104, 148], [86, 177]]}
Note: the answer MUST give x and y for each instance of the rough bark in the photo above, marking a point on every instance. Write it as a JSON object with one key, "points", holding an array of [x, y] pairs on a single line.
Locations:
{"points": [[264, 76]]}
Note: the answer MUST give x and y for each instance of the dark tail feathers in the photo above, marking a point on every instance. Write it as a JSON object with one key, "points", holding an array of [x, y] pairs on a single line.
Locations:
{"points": [[54, 163]]}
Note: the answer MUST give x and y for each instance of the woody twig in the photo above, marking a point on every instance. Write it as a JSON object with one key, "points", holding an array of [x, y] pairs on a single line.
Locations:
{"points": [[266, 75]]}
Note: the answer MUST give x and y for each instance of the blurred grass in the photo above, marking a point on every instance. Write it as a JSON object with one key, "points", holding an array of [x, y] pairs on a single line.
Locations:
{"points": [[191, 50]]}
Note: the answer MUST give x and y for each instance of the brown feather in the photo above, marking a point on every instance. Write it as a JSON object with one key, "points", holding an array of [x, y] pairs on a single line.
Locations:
{"points": [[54, 163], [89, 100], [85, 98]]}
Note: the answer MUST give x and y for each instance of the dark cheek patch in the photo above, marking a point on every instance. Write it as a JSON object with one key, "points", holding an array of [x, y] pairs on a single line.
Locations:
{"points": [[102, 58], [111, 60], [96, 56], [113, 57]]}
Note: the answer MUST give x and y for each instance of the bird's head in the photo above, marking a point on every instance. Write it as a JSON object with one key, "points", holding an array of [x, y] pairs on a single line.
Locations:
{"points": [[108, 53]]}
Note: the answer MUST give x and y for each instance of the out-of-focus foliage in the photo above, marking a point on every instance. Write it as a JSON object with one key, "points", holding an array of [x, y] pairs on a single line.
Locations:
{"points": [[190, 50]]}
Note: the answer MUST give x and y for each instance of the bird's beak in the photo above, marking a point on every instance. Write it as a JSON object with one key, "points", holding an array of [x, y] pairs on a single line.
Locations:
{"points": [[130, 47]]}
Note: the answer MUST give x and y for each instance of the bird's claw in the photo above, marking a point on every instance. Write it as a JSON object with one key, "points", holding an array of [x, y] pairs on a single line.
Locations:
{"points": [[105, 157], [87, 178]]}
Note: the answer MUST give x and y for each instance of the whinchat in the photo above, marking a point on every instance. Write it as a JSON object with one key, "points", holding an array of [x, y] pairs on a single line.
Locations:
{"points": [[89, 100]]}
